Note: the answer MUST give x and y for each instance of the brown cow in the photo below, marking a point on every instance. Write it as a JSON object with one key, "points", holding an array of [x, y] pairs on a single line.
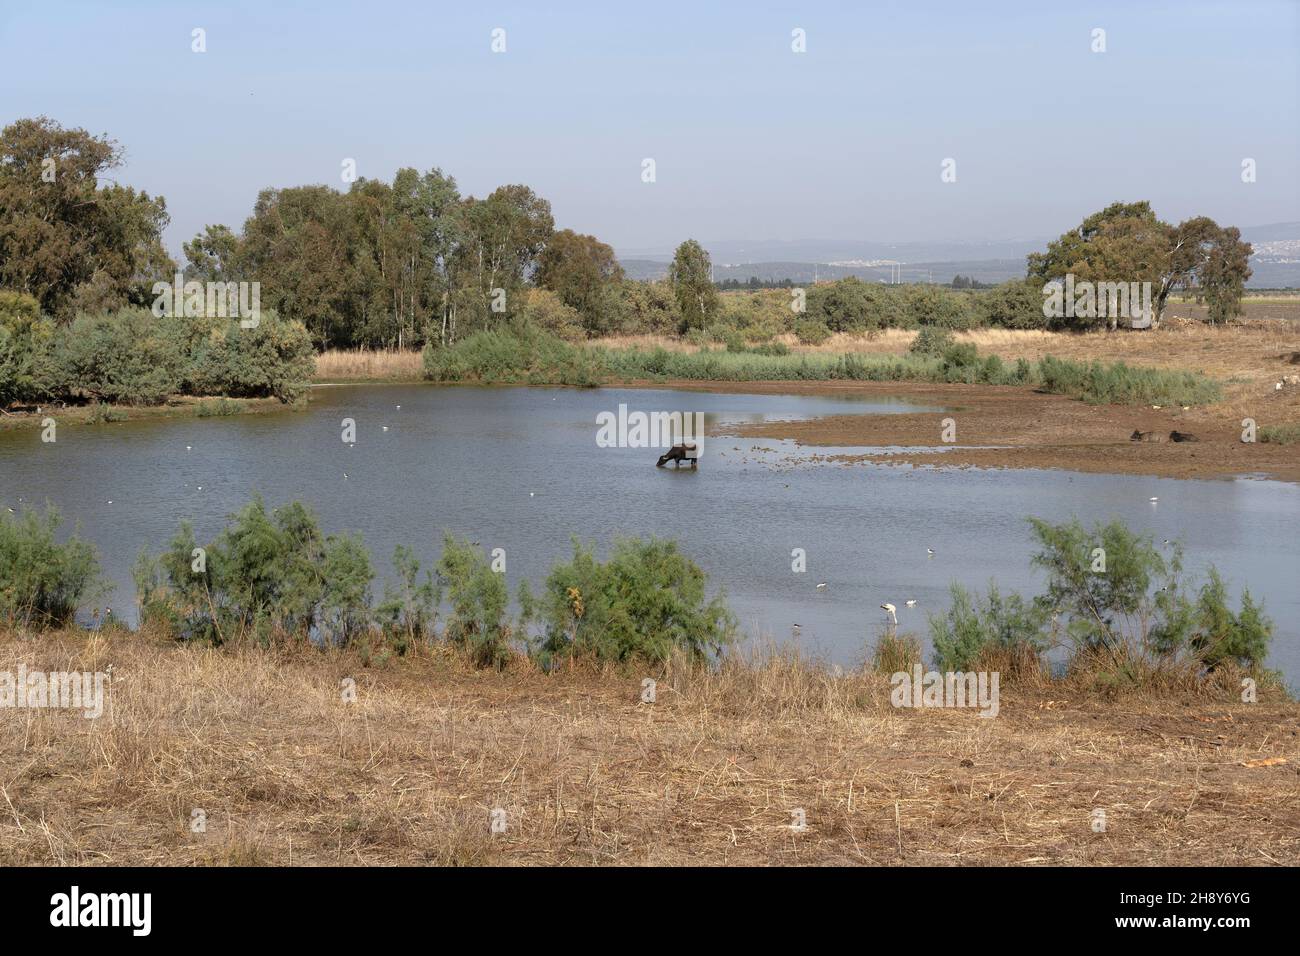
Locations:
{"points": [[679, 454]]}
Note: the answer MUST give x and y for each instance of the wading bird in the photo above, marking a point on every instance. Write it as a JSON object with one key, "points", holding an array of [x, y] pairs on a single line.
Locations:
{"points": [[890, 609]]}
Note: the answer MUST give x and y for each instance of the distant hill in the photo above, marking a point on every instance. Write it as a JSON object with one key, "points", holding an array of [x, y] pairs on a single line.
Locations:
{"points": [[1275, 264], [985, 270]]}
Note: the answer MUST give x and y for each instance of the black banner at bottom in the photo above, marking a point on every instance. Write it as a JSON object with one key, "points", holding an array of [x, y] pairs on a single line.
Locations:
{"points": [[338, 906]]}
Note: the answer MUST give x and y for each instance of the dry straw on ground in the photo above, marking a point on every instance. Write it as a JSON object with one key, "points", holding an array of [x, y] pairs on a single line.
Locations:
{"points": [[286, 771], [367, 365]]}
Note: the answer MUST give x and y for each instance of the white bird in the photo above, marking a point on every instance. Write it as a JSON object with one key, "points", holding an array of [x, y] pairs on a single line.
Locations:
{"points": [[1154, 498], [345, 476], [187, 447], [911, 602], [822, 586], [929, 551], [399, 408], [385, 427], [890, 609], [532, 494]]}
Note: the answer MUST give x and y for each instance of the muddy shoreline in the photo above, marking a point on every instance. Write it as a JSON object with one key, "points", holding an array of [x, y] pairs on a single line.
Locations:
{"points": [[1031, 429]]}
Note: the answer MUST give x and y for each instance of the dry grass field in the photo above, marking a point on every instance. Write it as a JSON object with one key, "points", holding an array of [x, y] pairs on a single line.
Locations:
{"points": [[286, 771]]}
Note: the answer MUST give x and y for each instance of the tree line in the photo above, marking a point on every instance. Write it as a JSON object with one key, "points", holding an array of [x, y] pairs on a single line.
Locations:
{"points": [[411, 262]]}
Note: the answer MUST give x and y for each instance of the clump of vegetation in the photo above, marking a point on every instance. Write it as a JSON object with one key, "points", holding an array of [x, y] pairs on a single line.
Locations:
{"points": [[130, 357], [811, 332], [217, 408], [931, 340], [273, 576], [1017, 304], [895, 653], [104, 412], [1119, 383], [268, 576], [408, 613], [974, 625], [1117, 602], [646, 601], [42, 581], [478, 599], [518, 353], [521, 353], [1280, 434]]}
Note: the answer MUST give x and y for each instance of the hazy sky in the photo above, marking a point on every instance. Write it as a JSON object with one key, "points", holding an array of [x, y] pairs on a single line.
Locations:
{"points": [[750, 139]]}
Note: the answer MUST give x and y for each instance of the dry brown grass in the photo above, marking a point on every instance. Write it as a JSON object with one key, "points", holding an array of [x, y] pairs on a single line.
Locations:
{"points": [[288, 772], [367, 365]]}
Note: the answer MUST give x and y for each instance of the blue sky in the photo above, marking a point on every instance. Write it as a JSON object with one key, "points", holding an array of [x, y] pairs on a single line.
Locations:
{"points": [[750, 139]]}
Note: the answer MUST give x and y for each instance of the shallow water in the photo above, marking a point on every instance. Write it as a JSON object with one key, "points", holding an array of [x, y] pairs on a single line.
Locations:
{"points": [[519, 469]]}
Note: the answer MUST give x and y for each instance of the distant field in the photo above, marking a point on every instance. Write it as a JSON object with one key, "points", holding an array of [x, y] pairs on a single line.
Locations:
{"points": [[1272, 305]]}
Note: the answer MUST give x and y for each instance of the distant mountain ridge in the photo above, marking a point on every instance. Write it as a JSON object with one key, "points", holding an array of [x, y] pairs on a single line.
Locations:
{"points": [[1275, 264]]}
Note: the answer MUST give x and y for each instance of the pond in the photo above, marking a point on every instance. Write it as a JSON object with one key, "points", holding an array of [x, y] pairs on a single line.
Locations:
{"points": [[520, 469]]}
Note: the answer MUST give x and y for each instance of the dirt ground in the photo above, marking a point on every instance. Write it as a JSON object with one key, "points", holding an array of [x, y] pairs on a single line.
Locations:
{"points": [[264, 749]]}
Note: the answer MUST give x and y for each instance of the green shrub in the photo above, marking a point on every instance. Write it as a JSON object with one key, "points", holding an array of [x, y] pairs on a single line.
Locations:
{"points": [[42, 582], [648, 307], [268, 575], [931, 340], [644, 602], [852, 305], [973, 625], [25, 337], [1118, 384], [1135, 600], [811, 332], [1280, 434], [274, 359], [935, 305], [408, 613], [478, 598], [1016, 304], [103, 412], [545, 310], [122, 357], [217, 408], [130, 357]]}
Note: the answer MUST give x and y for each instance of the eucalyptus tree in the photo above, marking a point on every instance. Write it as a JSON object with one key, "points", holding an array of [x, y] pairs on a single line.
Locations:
{"points": [[69, 236]]}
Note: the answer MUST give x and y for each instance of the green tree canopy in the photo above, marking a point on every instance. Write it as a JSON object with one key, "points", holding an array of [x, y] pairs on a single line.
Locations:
{"points": [[582, 271], [692, 281], [1125, 242], [65, 238]]}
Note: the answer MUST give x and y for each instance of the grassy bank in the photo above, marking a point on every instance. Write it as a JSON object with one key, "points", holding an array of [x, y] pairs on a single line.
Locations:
{"points": [[103, 413], [526, 356], [284, 770]]}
